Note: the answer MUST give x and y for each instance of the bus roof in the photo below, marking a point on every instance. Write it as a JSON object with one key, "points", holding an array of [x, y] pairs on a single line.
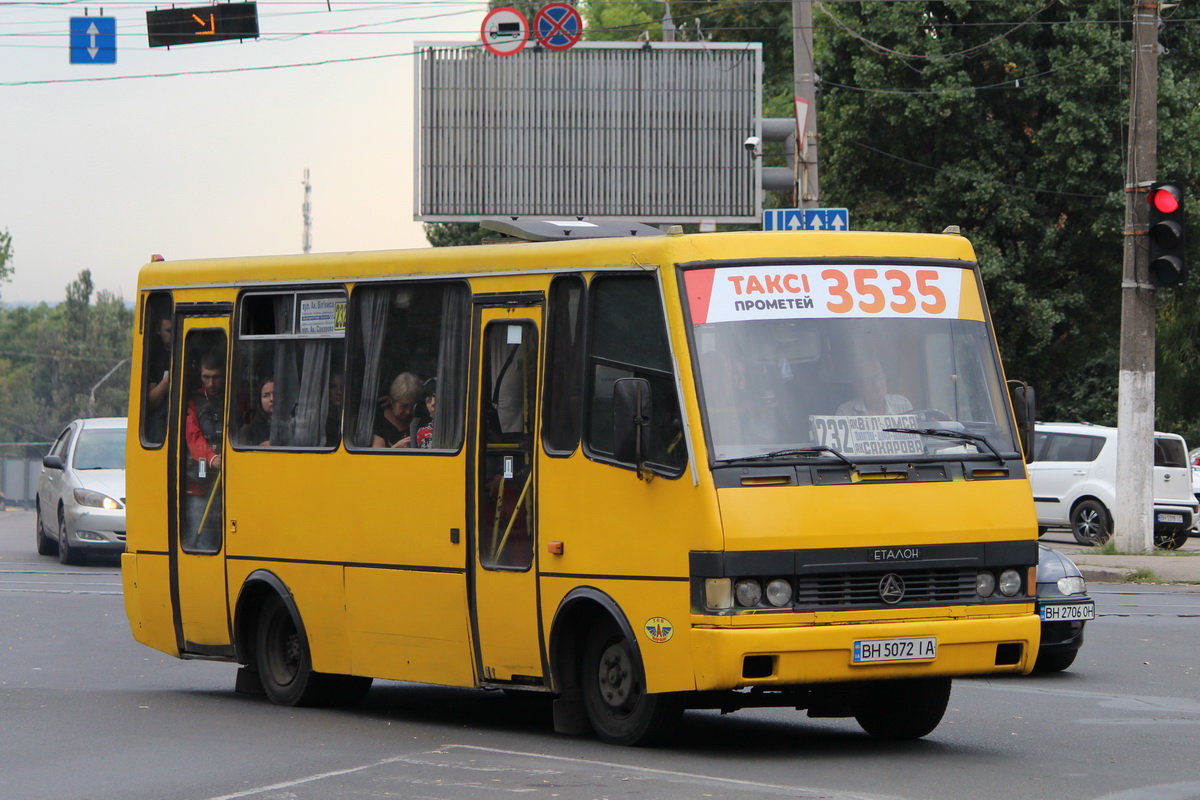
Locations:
{"points": [[543, 256]]}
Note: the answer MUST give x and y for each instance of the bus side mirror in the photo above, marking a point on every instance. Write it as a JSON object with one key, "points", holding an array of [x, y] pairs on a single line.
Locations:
{"points": [[632, 411], [1025, 410]]}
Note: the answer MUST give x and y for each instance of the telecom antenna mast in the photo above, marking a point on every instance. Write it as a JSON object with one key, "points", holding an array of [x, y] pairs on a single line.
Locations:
{"points": [[307, 210]]}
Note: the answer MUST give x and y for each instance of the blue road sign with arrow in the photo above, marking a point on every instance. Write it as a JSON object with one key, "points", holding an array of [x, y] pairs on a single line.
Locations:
{"points": [[93, 40], [806, 219]]}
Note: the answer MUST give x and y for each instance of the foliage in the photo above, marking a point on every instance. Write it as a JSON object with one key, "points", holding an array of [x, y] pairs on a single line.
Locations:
{"points": [[1009, 120], [52, 357], [1010, 131], [451, 234], [6, 254]]}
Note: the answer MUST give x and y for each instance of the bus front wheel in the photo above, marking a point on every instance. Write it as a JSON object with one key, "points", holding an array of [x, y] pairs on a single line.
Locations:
{"points": [[284, 664], [282, 657], [615, 697], [903, 709]]}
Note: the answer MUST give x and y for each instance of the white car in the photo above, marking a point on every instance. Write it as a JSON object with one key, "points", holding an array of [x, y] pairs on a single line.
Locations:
{"points": [[81, 491], [1073, 478]]}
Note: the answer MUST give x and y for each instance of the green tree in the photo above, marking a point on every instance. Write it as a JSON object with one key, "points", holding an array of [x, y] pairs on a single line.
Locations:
{"points": [[1009, 120], [6, 255], [450, 234], [78, 346], [22, 417], [1000, 118]]}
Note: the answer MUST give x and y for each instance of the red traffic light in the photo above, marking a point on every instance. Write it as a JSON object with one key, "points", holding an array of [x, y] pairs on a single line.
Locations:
{"points": [[1165, 199]]}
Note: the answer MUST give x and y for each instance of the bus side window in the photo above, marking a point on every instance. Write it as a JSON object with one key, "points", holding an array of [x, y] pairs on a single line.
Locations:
{"points": [[158, 325], [420, 328], [289, 347], [561, 405], [629, 339]]}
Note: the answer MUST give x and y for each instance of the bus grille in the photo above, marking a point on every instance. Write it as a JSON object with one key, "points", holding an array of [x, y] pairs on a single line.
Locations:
{"points": [[921, 587]]}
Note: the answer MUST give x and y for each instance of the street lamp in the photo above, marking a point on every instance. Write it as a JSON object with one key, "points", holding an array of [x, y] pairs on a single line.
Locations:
{"points": [[92, 395]]}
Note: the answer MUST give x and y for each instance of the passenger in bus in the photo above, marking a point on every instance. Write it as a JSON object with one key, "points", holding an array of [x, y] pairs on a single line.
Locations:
{"points": [[205, 413], [425, 432], [337, 397], [392, 422], [257, 430], [873, 398], [158, 374]]}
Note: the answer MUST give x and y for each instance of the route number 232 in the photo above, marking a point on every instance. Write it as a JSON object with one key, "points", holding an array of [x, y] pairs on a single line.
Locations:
{"points": [[900, 290]]}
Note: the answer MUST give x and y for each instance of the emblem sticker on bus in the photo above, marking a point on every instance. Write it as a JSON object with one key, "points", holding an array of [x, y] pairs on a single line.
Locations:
{"points": [[659, 630]]}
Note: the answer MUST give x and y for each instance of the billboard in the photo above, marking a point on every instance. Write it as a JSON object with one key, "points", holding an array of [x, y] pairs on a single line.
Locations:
{"points": [[654, 132]]}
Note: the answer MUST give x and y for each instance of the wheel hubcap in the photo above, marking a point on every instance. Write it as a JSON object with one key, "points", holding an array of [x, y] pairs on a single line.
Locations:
{"points": [[615, 686], [1089, 524]]}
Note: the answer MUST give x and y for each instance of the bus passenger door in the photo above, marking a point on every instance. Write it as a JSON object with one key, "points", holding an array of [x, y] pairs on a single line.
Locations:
{"points": [[505, 598], [197, 511]]}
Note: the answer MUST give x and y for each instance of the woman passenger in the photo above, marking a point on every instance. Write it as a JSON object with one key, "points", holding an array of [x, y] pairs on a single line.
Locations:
{"points": [[257, 431], [392, 423]]}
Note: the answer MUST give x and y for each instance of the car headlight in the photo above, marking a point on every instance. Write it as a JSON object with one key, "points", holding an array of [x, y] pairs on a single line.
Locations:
{"points": [[1010, 582], [94, 499], [1072, 585]]}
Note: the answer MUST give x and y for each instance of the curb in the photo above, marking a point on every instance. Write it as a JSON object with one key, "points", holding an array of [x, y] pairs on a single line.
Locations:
{"points": [[1093, 574]]}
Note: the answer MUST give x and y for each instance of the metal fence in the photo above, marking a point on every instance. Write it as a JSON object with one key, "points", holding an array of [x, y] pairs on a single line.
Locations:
{"points": [[19, 478]]}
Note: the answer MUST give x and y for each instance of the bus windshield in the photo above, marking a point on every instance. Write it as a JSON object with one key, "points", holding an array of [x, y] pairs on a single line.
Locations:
{"points": [[786, 376]]}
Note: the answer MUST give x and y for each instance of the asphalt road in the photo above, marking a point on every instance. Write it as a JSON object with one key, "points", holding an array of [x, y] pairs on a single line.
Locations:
{"points": [[89, 713]]}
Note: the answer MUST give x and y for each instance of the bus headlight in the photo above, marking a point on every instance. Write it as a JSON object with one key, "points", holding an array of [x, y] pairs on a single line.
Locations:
{"points": [[779, 592], [718, 593], [1010, 582], [985, 583], [748, 592]]}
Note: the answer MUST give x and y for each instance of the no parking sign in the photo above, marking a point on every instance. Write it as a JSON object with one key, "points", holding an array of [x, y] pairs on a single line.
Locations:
{"points": [[558, 26]]}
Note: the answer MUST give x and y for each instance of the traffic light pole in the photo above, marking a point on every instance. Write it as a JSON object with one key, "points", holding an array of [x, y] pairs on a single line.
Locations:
{"points": [[1133, 523]]}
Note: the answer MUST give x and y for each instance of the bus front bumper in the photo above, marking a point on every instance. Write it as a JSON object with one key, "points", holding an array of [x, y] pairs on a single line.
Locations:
{"points": [[739, 657]]}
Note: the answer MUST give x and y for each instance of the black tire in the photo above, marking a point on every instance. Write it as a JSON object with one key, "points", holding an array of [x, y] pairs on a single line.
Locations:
{"points": [[1091, 523], [903, 709], [65, 554], [1171, 541], [284, 664], [45, 545], [614, 693], [1054, 662]]}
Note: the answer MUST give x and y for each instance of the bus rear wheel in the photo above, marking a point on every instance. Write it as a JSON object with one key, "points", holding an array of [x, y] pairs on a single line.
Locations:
{"points": [[614, 693], [284, 664], [903, 709]]}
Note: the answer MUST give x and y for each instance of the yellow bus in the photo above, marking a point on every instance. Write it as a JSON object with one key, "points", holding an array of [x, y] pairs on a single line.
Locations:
{"points": [[638, 472]]}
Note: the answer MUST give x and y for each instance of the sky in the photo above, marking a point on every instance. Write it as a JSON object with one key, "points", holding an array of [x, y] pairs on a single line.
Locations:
{"points": [[199, 150]]}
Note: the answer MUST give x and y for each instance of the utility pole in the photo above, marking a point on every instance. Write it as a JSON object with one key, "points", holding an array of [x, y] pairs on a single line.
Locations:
{"points": [[306, 209], [808, 194], [1133, 523]]}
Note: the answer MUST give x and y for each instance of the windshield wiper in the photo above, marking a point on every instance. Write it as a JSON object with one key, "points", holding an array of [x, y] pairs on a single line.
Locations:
{"points": [[943, 433], [793, 451]]}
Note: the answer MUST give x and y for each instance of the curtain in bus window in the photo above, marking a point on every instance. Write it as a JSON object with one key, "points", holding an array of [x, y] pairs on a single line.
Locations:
{"points": [[301, 372], [451, 373], [372, 311], [312, 406]]}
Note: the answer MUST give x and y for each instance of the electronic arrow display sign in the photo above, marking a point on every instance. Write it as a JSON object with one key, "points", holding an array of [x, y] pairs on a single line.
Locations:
{"points": [[171, 26]]}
